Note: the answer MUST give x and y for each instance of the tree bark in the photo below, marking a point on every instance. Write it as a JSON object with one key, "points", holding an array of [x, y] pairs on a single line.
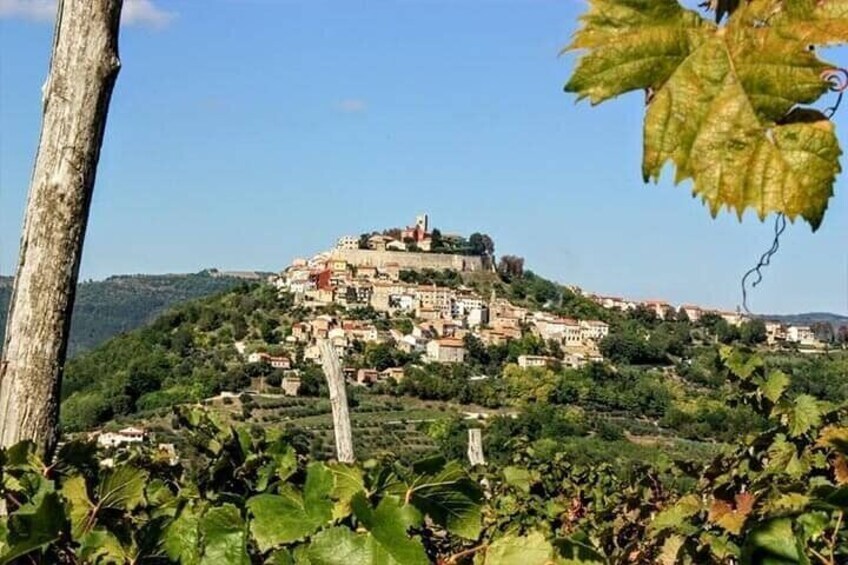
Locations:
{"points": [[338, 402], [83, 69]]}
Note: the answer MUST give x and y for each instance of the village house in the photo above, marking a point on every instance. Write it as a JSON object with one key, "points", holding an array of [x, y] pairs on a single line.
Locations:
{"points": [[525, 361], [802, 335], [121, 437], [274, 361], [692, 311], [348, 242], [775, 333], [446, 350], [658, 307], [290, 385], [367, 376], [435, 297], [395, 373], [593, 330]]}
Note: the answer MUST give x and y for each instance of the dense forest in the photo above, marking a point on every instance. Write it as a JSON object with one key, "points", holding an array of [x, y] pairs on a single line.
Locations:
{"points": [[122, 303]]}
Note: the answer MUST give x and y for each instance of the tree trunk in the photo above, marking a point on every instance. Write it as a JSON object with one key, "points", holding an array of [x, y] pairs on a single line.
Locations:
{"points": [[83, 69], [338, 402]]}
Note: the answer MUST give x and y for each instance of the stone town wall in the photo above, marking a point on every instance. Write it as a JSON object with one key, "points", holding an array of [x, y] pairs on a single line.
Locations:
{"points": [[408, 260]]}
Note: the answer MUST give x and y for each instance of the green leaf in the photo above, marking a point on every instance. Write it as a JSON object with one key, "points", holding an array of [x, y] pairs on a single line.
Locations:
{"points": [[224, 537], [386, 543], [451, 499], [724, 105], [122, 488], [774, 385], [532, 549], [290, 516], [740, 364], [577, 550], [101, 546], [804, 415], [675, 517], [518, 477], [181, 538], [32, 526], [75, 492], [347, 481], [772, 542]]}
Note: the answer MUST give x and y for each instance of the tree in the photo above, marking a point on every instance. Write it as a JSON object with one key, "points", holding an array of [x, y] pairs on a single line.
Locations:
{"points": [[752, 332], [481, 244], [728, 103], [83, 70], [511, 266]]}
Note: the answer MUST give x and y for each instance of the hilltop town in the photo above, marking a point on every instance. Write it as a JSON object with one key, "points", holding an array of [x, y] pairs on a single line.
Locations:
{"points": [[421, 315]]}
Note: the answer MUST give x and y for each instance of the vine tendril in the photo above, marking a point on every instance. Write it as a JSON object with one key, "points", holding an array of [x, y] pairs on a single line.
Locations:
{"points": [[838, 79], [765, 260]]}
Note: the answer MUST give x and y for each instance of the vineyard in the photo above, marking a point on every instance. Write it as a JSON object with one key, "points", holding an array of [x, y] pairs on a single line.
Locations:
{"points": [[241, 495]]}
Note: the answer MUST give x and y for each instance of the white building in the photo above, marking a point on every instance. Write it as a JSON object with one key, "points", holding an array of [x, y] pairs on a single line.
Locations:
{"points": [[802, 335], [127, 435], [348, 242]]}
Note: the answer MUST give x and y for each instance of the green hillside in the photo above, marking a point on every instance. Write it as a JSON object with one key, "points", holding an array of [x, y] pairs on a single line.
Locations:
{"points": [[122, 303]]}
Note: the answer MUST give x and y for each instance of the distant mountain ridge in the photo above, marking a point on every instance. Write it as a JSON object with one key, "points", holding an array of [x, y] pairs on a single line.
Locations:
{"points": [[808, 318], [122, 303]]}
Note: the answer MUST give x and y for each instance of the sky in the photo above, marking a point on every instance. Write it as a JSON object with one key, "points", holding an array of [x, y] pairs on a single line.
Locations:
{"points": [[244, 133]]}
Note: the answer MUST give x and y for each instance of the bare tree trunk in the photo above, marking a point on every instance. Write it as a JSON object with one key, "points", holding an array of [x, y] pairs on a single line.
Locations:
{"points": [[83, 69], [338, 401], [475, 447]]}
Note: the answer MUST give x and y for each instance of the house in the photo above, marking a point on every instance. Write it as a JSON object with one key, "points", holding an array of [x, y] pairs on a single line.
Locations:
{"points": [[379, 242], [126, 435], [732, 318], [593, 330], [348, 242], [775, 332], [478, 317], [275, 362], [692, 312], [446, 350], [525, 361], [395, 373], [658, 307], [290, 385], [367, 376], [366, 272], [802, 335]]}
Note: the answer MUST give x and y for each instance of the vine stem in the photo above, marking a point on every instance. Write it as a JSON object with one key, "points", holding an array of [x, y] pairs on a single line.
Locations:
{"points": [[453, 559]]}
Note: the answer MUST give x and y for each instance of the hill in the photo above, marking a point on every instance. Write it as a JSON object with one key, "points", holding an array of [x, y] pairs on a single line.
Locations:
{"points": [[809, 318], [122, 303]]}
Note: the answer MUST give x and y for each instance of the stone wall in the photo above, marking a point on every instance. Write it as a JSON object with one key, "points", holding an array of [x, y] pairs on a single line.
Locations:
{"points": [[408, 260]]}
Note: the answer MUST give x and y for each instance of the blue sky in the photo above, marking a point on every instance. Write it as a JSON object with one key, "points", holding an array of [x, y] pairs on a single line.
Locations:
{"points": [[244, 133]]}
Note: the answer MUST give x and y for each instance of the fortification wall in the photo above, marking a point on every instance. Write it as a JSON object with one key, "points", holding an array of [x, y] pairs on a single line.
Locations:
{"points": [[407, 260]]}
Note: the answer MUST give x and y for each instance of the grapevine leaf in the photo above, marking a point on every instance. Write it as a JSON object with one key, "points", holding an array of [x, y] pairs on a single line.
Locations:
{"points": [[122, 488], [670, 550], [347, 481], [518, 477], [835, 437], [532, 549], [32, 526], [675, 517], [741, 365], [772, 542], [725, 101], [387, 540], [290, 516], [101, 546], [181, 538], [451, 499], [224, 536], [804, 415], [577, 550], [340, 546], [75, 492], [633, 45], [729, 516], [774, 385]]}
